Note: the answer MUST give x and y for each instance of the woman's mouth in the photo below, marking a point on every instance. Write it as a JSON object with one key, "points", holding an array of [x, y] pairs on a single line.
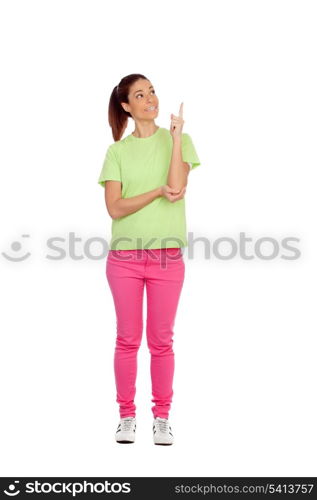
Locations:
{"points": [[151, 108]]}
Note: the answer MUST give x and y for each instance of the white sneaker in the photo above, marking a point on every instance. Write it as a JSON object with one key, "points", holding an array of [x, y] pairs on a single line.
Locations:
{"points": [[126, 430], [162, 431]]}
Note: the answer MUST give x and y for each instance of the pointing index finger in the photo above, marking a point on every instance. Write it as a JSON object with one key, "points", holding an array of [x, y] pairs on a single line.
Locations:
{"points": [[181, 110]]}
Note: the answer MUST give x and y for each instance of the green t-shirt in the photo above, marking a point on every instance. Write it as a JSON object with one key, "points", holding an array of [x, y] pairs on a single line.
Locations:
{"points": [[141, 165]]}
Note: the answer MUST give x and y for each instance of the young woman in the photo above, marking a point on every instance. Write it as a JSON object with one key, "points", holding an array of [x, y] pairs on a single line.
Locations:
{"points": [[144, 177]]}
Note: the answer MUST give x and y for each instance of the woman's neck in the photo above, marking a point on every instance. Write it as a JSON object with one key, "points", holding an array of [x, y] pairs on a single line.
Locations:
{"points": [[143, 132]]}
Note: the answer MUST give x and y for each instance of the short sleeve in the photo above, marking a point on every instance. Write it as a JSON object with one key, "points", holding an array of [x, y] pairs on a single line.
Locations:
{"points": [[111, 168], [189, 153]]}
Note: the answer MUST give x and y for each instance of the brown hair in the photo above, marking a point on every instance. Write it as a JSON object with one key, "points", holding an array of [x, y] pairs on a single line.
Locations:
{"points": [[117, 116]]}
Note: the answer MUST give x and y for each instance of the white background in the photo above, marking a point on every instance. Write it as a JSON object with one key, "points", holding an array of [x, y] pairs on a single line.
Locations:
{"points": [[245, 335]]}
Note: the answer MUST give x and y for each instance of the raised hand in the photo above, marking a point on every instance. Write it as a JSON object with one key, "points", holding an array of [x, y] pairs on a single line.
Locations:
{"points": [[177, 123]]}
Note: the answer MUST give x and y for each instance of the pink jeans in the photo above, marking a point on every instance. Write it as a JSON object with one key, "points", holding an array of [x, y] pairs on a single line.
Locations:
{"points": [[162, 271]]}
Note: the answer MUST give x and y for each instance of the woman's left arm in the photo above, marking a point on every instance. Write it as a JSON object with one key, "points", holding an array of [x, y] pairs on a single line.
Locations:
{"points": [[178, 170]]}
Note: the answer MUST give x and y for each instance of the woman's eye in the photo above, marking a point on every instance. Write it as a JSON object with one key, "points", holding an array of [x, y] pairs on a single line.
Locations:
{"points": [[139, 95]]}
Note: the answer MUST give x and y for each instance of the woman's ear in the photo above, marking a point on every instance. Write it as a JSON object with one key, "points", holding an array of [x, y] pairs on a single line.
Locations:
{"points": [[125, 107]]}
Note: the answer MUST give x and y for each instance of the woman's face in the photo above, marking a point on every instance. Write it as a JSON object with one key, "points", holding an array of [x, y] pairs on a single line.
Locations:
{"points": [[143, 102]]}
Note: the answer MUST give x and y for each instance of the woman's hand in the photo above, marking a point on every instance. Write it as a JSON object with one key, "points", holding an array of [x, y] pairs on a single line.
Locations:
{"points": [[177, 123], [172, 194]]}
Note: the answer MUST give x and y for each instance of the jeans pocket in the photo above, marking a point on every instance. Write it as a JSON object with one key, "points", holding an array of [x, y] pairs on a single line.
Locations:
{"points": [[175, 253]]}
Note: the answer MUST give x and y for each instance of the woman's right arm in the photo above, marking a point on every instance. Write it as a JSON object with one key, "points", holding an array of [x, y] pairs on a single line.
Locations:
{"points": [[119, 207]]}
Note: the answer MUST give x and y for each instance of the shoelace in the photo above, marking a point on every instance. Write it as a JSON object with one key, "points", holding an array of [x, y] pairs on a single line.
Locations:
{"points": [[162, 425], [126, 424]]}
